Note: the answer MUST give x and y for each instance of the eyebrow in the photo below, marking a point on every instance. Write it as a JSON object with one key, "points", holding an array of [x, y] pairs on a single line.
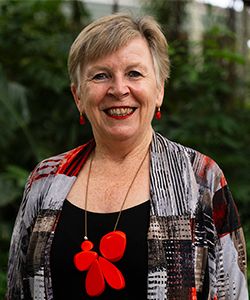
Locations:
{"points": [[96, 68], [136, 65]]}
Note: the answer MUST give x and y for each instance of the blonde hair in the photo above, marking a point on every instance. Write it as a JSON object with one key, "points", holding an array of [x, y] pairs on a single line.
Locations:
{"points": [[110, 33]]}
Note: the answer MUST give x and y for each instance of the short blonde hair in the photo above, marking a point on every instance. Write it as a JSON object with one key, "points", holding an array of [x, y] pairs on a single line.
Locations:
{"points": [[109, 33]]}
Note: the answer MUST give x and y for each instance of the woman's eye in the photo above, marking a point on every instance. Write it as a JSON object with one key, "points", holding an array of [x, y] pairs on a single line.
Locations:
{"points": [[100, 76], [134, 74]]}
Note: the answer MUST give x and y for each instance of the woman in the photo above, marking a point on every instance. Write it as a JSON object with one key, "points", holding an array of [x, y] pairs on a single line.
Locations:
{"points": [[130, 214]]}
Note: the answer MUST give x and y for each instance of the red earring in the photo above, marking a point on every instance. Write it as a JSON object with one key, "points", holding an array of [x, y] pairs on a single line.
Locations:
{"points": [[158, 113], [81, 119]]}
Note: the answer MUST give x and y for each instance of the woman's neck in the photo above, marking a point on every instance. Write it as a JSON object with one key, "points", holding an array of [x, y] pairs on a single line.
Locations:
{"points": [[120, 151]]}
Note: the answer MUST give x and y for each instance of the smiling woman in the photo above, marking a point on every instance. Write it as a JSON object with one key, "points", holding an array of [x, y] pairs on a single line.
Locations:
{"points": [[130, 214], [119, 94]]}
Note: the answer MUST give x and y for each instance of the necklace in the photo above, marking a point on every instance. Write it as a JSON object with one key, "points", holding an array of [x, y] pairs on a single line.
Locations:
{"points": [[100, 268]]}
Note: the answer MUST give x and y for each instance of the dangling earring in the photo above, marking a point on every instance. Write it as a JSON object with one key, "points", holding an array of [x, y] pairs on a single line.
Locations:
{"points": [[158, 113], [81, 119]]}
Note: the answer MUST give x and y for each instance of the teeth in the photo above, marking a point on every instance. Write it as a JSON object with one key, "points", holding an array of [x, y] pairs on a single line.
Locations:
{"points": [[120, 111]]}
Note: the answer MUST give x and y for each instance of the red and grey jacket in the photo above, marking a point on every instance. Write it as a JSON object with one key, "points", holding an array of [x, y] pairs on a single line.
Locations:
{"points": [[196, 247]]}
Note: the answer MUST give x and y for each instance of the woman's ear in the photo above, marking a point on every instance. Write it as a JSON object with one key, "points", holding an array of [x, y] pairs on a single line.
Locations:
{"points": [[75, 93], [160, 94]]}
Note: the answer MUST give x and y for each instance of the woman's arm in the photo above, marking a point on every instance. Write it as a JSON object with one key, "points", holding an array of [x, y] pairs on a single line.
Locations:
{"points": [[16, 284], [230, 247]]}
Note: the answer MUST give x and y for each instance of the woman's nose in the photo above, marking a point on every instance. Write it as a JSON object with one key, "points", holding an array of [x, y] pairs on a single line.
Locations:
{"points": [[118, 88]]}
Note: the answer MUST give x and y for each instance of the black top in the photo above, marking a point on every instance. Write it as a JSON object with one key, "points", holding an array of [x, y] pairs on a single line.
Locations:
{"points": [[69, 283]]}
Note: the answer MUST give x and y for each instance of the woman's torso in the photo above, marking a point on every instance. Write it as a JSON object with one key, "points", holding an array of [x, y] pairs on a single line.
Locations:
{"points": [[68, 282]]}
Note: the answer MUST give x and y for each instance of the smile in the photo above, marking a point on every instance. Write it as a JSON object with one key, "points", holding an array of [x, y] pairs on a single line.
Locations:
{"points": [[119, 112]]}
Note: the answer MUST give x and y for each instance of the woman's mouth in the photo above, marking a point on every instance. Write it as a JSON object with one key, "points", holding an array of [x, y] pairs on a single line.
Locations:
{"points": [[119, 112]]}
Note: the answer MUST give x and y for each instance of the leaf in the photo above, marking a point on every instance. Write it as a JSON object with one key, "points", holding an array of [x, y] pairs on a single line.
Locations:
{"points": [[12, 182]]}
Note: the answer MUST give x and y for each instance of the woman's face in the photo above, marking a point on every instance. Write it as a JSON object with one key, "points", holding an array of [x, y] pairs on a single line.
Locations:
{"points": [[119, 93]]}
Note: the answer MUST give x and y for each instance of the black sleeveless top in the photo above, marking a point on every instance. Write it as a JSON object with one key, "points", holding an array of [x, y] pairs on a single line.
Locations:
{"points": [[69, 283]]}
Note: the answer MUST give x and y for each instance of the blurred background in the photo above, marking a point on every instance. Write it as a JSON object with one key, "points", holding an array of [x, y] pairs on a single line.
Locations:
{"points": [[207, 99]]}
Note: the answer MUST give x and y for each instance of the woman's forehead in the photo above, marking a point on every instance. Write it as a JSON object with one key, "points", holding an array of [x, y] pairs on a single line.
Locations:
{"points": [[136, 45], [135, 53]]}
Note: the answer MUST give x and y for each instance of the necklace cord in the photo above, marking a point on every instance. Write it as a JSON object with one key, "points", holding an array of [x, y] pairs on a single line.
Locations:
{"points": [[123, 202], [86, 195], [130, 186]]}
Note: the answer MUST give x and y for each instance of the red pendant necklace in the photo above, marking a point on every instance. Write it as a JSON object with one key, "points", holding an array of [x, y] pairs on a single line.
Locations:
{"points": [[100, 268]]}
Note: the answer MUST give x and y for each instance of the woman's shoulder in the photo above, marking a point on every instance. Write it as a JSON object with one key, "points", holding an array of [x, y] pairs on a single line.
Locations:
{"points": [[62, 163], [206, 169], [173, 146]]}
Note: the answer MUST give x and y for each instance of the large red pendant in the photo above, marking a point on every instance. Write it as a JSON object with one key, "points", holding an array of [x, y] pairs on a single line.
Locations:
{"points": [[100, 269]]}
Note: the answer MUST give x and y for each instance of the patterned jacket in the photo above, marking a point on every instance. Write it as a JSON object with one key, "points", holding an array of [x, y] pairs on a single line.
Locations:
{"points": [[196, 247]]}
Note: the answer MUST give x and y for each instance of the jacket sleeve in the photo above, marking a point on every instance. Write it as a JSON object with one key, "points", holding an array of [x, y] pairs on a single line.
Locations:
{"points": [[16, 284], [230, 247]]}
